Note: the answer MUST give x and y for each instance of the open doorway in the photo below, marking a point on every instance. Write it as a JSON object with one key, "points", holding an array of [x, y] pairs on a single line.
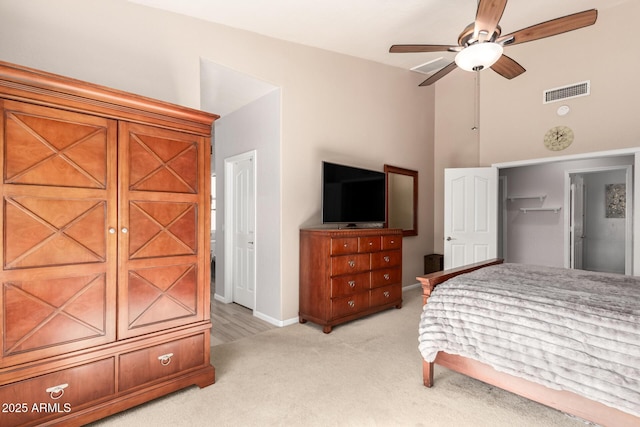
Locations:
{"points": [[536, 210], [250, 120], [599, 219]]}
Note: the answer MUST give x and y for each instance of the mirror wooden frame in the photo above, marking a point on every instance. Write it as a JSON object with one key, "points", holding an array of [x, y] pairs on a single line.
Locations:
{"points": [[391, 171]]}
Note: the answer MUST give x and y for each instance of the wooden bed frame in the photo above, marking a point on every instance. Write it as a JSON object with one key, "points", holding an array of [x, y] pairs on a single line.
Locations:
{"points": [[564, 401]]}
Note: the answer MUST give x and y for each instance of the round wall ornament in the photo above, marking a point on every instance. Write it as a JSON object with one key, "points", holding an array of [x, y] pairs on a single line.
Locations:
{"points": [[558, 138]]}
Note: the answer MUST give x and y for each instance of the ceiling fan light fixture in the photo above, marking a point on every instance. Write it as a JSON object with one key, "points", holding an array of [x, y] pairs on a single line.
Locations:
{"points": [[479, 56]]}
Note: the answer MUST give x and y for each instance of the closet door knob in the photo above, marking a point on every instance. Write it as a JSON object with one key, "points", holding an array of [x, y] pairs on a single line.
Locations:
{"points": [[112, 230], [125, 230]]}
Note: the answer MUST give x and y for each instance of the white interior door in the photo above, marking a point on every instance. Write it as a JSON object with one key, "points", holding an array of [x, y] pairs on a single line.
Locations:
{"points": [[240, 257], [577, 221], [470, 215]]}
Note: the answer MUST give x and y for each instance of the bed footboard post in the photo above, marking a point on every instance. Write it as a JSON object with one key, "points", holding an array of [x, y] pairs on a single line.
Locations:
{"points": [[429, 282], [427, 373]]}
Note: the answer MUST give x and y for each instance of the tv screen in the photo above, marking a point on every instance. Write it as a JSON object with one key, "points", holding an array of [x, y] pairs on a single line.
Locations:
{"points": [[352, 195]]}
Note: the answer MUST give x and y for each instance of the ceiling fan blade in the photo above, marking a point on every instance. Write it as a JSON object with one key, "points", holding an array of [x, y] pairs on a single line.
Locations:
{"points": [[440, 74], [507, 67], [551, 28], [487, 16], [408, 48]]}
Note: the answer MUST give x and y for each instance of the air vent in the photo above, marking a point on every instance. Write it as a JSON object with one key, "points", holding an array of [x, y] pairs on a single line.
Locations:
{"points": [[565, 92], [431, 66]]}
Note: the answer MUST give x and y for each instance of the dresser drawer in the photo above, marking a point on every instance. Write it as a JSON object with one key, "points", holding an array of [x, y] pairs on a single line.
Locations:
{"points": [[386, 259], [386, 295], [345, 245], [350, 284], [60, 392], [352, 304], [386, 277], [154, 363], [347, 264], [369, 244], [391, 242]]}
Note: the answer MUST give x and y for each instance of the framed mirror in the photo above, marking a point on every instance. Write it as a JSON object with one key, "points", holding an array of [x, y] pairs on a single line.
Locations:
{"points": [[402, 199]]}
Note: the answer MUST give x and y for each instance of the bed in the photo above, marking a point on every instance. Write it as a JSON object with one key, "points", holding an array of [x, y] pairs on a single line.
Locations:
{"points": [[569, 339]]}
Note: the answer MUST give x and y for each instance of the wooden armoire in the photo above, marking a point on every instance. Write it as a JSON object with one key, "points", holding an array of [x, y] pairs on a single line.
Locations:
{"points": [[105, 249]]}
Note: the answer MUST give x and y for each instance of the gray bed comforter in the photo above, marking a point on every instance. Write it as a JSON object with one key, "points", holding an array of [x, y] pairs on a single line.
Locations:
{"points": [[566, 329]]}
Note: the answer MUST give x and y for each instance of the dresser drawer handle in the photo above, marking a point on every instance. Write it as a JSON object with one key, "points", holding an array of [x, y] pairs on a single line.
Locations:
{"points": [[165, 359], [387, 259], [351, 304], [393, 241], [386, 294], [57, 391], [352, 263], [386, 276], [346, 245], [352, 283]]}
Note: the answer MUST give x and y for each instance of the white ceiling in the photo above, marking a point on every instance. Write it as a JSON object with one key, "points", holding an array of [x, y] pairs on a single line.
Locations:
{"points": [[367, 28]]}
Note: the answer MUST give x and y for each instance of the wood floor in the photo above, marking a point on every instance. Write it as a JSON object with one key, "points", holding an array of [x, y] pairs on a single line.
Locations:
{"points": [[232, 322]]}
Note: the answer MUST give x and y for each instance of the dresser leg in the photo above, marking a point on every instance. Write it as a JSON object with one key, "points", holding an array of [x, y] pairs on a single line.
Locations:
{"points": [[327, 329]]}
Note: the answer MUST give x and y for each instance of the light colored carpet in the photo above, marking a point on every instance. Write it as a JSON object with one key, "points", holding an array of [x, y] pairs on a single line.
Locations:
{"points": [[365, 373]]}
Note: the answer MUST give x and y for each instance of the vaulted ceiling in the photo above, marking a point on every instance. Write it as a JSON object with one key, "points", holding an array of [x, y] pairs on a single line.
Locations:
{"points": [[367, 28]]}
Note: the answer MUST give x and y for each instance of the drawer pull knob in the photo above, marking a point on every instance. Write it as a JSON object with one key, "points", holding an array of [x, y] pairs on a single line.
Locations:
{"points": [[370, 243], [386, 276], [352, 283], [345, 245], [352, 263], [393, 241], [57, 391], [386, 294], [165, 359], [351, 304], [387, 259]]}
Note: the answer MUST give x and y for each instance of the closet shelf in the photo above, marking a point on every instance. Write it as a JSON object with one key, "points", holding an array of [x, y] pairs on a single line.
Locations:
{"points": [[539, 196], [554, 209]]}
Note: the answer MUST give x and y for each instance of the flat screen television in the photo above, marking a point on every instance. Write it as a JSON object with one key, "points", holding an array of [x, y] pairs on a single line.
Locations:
{"points": [[352, 195]]}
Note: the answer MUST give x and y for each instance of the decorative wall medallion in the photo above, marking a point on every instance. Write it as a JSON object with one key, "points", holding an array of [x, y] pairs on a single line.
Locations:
{"points": [[558, 138]]}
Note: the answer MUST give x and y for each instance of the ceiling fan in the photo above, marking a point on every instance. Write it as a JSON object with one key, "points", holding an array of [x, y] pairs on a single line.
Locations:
{"points": [[480, 44]]}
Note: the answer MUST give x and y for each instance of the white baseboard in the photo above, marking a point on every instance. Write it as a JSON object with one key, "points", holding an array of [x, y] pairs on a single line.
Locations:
{"points": [[294, 320], [275, 322], [221, 299], [406, 288]]}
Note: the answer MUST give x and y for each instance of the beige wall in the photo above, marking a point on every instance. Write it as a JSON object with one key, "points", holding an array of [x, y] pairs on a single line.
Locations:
{"points": [[513, 119], [334, 107]]}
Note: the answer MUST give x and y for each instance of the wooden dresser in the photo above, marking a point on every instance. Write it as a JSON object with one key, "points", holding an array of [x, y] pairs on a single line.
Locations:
{"points": [[105, 249], [349, 273]]}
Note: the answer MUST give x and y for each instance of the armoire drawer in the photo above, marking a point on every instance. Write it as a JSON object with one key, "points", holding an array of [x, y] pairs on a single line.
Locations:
{"points": [[349, 264], [143, 366], [386, 295], [386, 277], [60, 392], [351, 284], [341, 307]]}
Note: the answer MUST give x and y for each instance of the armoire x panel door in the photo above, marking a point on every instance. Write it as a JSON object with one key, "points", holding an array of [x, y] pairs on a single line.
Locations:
{"points": [[58, 258], [161, 209]]}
